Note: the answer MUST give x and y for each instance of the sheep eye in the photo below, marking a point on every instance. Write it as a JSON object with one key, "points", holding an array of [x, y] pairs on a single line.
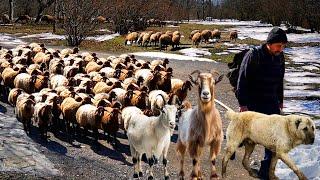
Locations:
{"points": [[305, 129]]}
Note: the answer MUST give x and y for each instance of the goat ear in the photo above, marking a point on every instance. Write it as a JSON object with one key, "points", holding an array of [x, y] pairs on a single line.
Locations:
{"points": [[218, 79], [297, 122]]}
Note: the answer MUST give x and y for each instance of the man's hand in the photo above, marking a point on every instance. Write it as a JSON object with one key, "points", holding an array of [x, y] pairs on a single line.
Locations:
{"points": [[243, 108]]}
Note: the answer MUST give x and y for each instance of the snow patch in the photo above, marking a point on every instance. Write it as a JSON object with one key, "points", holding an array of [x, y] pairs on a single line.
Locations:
{"points": [[171, 56]]}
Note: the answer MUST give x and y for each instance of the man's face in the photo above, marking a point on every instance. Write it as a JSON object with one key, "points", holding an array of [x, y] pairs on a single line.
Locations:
{"points": [[276, 48]]}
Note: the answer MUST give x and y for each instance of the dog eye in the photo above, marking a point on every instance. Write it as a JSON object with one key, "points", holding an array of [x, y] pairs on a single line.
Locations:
{"points": [[305, 129]]}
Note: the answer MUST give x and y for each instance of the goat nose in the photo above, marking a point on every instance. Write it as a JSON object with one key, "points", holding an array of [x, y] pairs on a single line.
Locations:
{"points": [[206, 93]]}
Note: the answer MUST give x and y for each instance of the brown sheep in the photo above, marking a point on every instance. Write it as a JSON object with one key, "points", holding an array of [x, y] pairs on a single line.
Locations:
{"points": [[216, 34], [193, 33], [131, 37], [42, 118], [164, 40], [13, 95], [233, 35], [205, 35], [24, 111], [154, 38], [196, 38]]}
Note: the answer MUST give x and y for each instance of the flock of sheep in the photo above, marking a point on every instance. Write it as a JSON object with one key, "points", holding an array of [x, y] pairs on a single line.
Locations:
{"points": [[92, 92], [164, 39]]}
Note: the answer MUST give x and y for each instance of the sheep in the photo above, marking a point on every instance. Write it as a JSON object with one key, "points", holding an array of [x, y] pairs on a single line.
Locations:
{"points": [[25, 82], [157, 62], [90, 116], [102, 87], [93, 66], [146, 39], [131, 37], [24, 110], [41, 57], [216, 34], [13, 95], [146, 75], [68, 51], [110, 122], [69, 107], [180, 89], [139, 98], [42, 117], [233, 35], [165, 40], [155, 38], [70, 71], [206, 34], [163, 80], [192, 33], [176, 39], [201, 126], [196, 38], [8, 75], [151, 135], [58, 80]]}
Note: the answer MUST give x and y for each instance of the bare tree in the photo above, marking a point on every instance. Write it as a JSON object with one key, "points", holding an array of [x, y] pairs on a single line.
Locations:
{"points": [[11, 7], [80, 20]]}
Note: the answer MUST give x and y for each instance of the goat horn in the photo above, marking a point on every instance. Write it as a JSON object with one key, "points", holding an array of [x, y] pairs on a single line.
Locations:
{"points": [[192, 79], [213, 72]]}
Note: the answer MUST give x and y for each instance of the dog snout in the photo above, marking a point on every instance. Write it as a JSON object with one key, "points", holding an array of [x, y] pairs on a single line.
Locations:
{"points": [[312, 140]]}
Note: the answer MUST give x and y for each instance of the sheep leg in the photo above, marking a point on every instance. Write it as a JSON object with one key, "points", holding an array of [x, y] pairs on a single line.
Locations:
{"points": [[214, 150], [286, 159], [181, 150], [249, 147], [272, 168]]}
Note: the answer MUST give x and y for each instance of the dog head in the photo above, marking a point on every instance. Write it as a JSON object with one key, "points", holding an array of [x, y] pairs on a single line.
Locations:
{"points": [[303, 129]]}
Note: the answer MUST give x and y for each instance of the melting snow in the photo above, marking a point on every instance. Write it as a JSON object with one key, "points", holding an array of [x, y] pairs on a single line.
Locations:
{"points": [[171, 56]]}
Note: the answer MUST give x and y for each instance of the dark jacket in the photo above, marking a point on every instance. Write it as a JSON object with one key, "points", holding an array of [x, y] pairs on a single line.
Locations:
{"points": [[260, 83]]}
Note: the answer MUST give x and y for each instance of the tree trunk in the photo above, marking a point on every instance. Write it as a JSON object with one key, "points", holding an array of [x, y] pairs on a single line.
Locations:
{"points": [[11, 7]]}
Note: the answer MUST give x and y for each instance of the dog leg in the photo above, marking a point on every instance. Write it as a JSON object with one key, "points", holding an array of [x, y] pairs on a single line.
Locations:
{"points": [[273, 164], [286, 159], [229, 151], [181, 150]]}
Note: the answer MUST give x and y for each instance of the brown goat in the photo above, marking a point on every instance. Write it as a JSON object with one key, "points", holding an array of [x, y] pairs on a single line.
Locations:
{"points": [[201, 126]]}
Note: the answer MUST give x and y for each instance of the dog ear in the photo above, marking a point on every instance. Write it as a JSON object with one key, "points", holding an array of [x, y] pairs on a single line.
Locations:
{"points": [[298, 121]]}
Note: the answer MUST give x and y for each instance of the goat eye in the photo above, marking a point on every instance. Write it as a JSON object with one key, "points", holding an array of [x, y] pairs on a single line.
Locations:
{"points": [[305, 129]]}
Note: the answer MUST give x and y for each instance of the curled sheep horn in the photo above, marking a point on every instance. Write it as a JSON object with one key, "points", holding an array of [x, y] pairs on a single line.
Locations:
{"points": [[192, 79]]}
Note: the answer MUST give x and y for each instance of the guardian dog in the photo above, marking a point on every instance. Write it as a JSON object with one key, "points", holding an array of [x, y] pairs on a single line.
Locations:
{"points": [[278, 133]]}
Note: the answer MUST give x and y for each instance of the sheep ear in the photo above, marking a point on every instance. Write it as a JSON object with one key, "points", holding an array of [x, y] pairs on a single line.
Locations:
{"points": [[218, 79], [297, 122]]}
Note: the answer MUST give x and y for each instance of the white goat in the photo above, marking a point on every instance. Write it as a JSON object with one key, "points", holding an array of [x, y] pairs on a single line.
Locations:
{"points": [[151, 135]]}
